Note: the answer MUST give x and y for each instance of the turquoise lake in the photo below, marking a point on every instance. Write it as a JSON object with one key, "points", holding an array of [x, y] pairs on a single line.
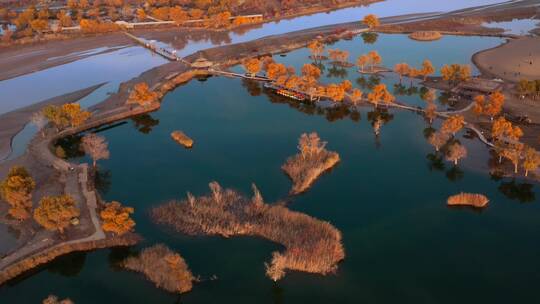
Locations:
{"points": [[387, 196]]}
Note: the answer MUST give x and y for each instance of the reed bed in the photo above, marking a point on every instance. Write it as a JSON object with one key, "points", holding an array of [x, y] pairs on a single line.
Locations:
{"points": [[311, 245], [163, 267], [426, 35]]}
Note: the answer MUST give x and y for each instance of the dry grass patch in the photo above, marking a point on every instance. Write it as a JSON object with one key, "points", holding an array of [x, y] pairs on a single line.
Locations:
{"points": [[426, 35], [311, 245], [162, 266], [312, 161], [468, 199], [181, 138]]}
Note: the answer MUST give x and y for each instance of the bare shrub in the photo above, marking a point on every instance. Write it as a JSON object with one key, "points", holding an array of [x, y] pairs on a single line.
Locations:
{"points": [[313, 160], [468, 199], [162, 266], [311, 245]]}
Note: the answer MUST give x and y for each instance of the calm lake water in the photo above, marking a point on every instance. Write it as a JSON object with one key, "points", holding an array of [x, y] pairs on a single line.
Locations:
{"points": [[387, 196]]}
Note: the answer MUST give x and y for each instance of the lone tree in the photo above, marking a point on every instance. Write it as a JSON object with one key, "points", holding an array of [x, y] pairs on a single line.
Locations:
{"points": [[16, 190], [402, 69], [456, 152], [56, 212], [361, 62], [427, 69], [374, 59], [116, 218], [316, 49], [142, 95], [356, 96], [95, 146], [252, 66], [453, 124], [371, 21], [512, 152], [531, 160]]}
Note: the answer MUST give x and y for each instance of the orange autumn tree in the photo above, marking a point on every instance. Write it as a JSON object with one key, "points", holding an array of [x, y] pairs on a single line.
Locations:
{"points": [[356, 96], [380, 94], [374, 59], [95, 146], [453, 124], [492, 107], [275, 70], [141, 95], [316, 48], [76, 116], [456, 151], [56, 212], [402, 69], [456, 73], [531, 160], [513, 152], [116, 218], [504, 130], [252, 66], [427, 69], [362, 61], [335, 92], [371, 21], [16, 189], [430, 112]]}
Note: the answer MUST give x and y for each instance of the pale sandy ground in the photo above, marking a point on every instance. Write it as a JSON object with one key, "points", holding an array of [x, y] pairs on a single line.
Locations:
{"points": [[518, 59]]}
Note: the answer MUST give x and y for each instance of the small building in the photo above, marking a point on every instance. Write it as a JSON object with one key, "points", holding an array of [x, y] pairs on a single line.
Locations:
{"points": [[202, 63], [477, 86]]}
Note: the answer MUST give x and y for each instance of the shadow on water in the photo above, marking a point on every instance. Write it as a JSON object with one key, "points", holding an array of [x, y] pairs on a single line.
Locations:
{"points": [[522, 192], [144, 123]]}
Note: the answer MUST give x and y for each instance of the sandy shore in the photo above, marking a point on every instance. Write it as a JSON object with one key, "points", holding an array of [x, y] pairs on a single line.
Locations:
{"points": [[13, 122], [19, 60], [515, 60]]}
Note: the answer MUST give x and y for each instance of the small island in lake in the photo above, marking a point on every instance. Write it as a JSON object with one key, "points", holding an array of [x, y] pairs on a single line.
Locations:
{"points": [[312, 161], [181, 138], [162, 266], [426, 35], [311, 245], [468, 199]]}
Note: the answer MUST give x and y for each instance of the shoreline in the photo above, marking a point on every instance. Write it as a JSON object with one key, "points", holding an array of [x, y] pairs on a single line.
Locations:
{"points": [[12, 123]]}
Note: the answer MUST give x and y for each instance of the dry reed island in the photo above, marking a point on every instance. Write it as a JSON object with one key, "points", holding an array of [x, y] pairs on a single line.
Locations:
{"points": [[162, 266], [311, 245], [311, 162], [468, 199], [182, 139]]}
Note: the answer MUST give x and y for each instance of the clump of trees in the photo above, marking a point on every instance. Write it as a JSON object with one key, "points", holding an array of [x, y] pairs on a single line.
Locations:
{"points": [[90, 26], [142, 95], [117, 218], [164, 267], [96, 147], [490, 107], [404, 69], [67, 115], [16, 189], [380, 94], [454, 150], [316, 48], [313, 160], [456, 73], [56, 212], [339, 57], [372, 59], [311, 245], [529, 88]]}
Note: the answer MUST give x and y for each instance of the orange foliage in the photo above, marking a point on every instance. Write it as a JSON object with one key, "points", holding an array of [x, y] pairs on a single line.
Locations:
{"points": [[453, 124], [116, 218], [380, 94], [252, 66], [16, 189], [142, 95], [56, 212], [371, 21]]}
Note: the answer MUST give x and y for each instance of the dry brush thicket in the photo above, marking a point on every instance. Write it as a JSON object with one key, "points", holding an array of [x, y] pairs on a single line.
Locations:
{"points": [[312, 161], [163, 267], [182, 139], [311, 245]]}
